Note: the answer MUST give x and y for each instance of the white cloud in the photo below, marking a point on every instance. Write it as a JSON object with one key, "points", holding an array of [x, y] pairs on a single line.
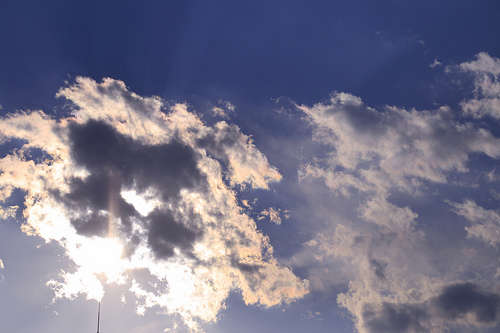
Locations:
{"points": [[486, 70], [485, 223], [379, 211], [484, 63], [398, 144]]}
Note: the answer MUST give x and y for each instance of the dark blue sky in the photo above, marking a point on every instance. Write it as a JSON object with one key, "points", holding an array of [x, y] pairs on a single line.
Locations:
{"points": [[245, 50]]}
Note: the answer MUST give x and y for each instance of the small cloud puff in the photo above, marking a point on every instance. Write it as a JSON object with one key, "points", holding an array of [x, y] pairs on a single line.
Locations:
{"points": [[274, 214], [224, 109], [435, 63]]}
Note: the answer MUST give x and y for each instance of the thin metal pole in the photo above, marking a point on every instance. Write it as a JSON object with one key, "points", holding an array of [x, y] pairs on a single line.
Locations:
{"points": [[98, 316]]}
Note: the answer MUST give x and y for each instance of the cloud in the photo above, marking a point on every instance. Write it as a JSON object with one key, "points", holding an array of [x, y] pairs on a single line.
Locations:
{"points": [[246, 165], [485, 223], [224, 109], [460, 302], [382, 153], [461, 299], [154, 193], [435, 63], [486, 71], [274, 214], [6, 212], [395, 318], [385, 168], [144, 194], [393, 146]]}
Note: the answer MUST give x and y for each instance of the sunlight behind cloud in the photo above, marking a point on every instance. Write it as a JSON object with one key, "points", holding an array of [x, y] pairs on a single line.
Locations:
{"points": [[129, 189]]}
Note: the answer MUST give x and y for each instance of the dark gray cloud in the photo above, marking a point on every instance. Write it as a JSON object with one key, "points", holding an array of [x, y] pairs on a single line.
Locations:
{"points": [[91, 196], [165, 234], [453, 303], [116, 162], [378, 267], [461, 299], [395, 318], [168, 167]]}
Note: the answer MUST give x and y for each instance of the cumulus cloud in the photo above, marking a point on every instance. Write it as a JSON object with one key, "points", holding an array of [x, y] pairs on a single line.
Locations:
{"points": [[126, 184], [153, 192]]}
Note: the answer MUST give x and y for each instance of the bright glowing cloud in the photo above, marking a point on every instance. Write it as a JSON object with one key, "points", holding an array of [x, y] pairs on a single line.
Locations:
{"points": [[124, 185]]}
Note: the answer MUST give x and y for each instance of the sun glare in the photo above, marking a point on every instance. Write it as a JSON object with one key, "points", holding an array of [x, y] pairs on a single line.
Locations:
{"points": [[101, 255], [144, 203]]}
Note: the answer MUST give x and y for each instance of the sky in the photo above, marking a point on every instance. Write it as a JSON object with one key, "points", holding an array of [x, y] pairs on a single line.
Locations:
{"points": [[250, 166]]}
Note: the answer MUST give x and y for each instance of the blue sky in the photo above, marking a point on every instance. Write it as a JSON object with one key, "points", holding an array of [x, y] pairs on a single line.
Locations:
{"points": [[273, 166]]}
